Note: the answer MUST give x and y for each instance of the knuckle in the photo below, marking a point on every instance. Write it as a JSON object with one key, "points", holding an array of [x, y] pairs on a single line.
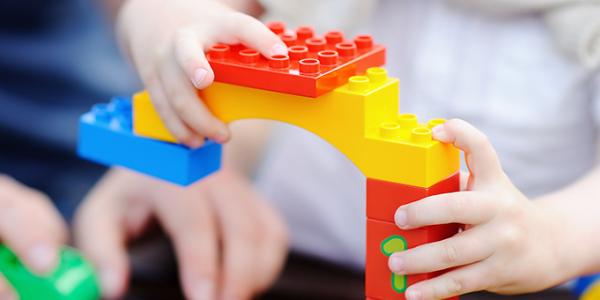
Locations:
{"points": [[179, 103], [512, 235], [455, 286], [459, 204], [481, 140], [449, 253]]}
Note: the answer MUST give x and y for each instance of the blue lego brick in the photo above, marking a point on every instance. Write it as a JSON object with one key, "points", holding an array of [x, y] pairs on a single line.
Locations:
{"points": [[106, 137], [585, 283]]}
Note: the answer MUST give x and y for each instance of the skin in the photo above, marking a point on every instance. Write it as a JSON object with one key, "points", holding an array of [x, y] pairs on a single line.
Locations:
{"points": [[174, 66], [229, 243], [511, 245], [30, 226]]}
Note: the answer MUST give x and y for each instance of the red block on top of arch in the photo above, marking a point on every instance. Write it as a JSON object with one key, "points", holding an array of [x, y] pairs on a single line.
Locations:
{"points": [[315, 65], [383, 198]]}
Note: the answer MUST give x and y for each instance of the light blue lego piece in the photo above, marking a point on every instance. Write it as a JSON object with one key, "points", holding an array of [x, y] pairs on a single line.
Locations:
{"points": [[106, 137]]}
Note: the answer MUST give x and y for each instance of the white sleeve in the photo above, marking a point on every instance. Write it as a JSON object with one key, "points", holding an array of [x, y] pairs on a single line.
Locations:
{"points": [[596, 99], [322, 14]]}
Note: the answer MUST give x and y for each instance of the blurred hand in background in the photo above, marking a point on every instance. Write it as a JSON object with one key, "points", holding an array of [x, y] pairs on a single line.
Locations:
{"points": [[229, 243]]}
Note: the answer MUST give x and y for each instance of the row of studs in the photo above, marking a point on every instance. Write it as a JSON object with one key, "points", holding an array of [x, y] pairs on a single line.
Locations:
{"points": [[307, 66], [307, 34], [393, 130]]}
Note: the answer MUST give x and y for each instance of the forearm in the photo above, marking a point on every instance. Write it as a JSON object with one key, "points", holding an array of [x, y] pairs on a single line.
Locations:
{"points": [[577, 208]]}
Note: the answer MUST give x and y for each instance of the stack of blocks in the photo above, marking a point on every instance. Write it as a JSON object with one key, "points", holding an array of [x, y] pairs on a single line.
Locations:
{"points": [[330, 86]]}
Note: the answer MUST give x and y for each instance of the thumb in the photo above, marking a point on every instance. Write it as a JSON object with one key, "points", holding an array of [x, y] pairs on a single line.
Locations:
{"points": [[30, 226], [481, 158]]}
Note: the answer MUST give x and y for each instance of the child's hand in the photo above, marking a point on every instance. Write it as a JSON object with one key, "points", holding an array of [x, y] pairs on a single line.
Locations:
{"points": [[166, 40], [229, 243], [510, 245], [31, 227]]}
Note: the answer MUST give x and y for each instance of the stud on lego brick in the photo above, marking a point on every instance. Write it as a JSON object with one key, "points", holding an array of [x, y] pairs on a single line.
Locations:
{"points": [[106, 137], [313, 66], [73, 279]]}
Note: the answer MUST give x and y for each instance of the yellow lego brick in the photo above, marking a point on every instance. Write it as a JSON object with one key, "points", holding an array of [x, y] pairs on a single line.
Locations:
{"points": [[146, 121], [360, 119]]}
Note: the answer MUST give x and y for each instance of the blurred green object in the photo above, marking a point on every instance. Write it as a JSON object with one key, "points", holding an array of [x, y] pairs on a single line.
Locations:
{"points": [[73, 279]]}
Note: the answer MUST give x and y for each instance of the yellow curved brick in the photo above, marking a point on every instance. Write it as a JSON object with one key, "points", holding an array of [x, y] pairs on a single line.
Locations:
{"points": [[360, 119]]}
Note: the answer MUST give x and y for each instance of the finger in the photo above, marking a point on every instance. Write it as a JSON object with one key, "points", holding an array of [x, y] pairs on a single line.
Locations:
{"points": [[241, 237], [188, 219], [30, 226], [475, 277], [190, 56], [148, 73], [273, 252], [254, 240], [480, 155], [6, 291], [461, 207], [188, 107], [462, 249], [256, 35], [100, 234]]}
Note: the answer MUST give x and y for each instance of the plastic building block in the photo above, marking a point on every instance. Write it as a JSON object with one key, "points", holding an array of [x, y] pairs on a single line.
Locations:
{"points": [[378, 274], [106, 137], [73, 279], [383, 198], [588, 288], [359, 118], [314, 65], [147, 122]]}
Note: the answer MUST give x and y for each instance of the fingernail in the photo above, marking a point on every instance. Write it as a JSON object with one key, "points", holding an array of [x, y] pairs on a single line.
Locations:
{"points": [[439, 133], [204, 290], [42, 258], [401, 218], [199, 76], [396, 264], [278, 49], [110, 282]]}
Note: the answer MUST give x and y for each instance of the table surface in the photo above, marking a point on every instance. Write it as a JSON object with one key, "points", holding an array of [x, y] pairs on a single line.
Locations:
{"points": [[154, 277]]}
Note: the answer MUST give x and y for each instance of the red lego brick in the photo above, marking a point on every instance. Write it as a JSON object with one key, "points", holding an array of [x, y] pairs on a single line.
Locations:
{"points": [[314, 65], [383, 197], [379, 280]]}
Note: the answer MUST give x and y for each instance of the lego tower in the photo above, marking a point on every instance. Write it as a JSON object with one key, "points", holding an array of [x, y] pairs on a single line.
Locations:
{"points": [[332, 86]]}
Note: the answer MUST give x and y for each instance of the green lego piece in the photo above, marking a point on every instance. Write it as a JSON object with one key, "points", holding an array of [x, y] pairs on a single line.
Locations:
{"points": [[73, 279], [395, 243]]}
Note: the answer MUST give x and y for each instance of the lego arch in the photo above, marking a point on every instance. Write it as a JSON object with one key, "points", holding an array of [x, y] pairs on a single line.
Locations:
{"points": [[360, 119]]}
